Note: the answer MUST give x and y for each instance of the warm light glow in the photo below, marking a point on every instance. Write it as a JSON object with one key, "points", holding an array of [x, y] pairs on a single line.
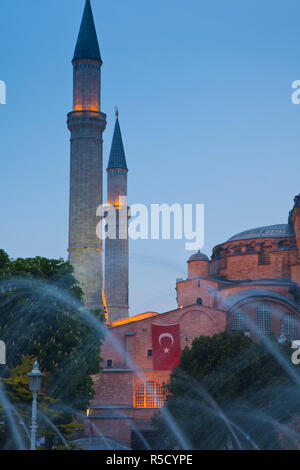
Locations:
{"points": [[105, 307], [78, 106], [149, 395], [94, 108], [141, 316], [88, 412], [116, 204], [120, 203]]}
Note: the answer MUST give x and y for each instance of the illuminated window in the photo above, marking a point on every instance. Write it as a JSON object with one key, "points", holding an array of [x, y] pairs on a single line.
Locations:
{"points": [[263, 319], [149, 395], [289, 325], [240, 322]]}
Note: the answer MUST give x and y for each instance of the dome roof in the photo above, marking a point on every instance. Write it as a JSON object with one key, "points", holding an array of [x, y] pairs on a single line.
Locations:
{"points": [[271, 231], [198, 257]]}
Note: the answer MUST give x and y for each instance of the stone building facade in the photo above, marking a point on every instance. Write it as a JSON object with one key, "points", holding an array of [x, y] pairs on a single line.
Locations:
{"points": [[250, 284]]}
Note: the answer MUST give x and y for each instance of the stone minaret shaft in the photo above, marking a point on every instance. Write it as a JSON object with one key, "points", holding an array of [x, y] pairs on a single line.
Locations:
{"points": [[116, 250], [86, 123]]}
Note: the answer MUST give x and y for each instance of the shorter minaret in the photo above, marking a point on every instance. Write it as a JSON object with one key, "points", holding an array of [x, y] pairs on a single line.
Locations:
{"points": [[116, 250]]}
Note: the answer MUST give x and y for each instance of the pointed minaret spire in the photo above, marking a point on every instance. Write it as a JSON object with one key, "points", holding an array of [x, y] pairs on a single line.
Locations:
{"points": [[87, 46], [87, 124], [117, 249], [117, 157]]}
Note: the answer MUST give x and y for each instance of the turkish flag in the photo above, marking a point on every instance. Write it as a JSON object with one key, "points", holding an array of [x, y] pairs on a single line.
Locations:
{"points": [[165, 346]]}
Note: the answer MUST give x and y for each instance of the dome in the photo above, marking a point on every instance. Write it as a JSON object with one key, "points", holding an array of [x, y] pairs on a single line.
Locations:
{"points": [[198, 257], [271, 231]]}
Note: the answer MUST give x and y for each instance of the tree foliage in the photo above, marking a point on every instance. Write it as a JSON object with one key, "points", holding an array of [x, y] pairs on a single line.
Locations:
{"points": [[53, 419], [42, 316], [231, 392]]}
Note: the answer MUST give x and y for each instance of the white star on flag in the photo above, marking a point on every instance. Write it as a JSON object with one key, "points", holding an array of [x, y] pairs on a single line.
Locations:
{"points": [[166, 350]]}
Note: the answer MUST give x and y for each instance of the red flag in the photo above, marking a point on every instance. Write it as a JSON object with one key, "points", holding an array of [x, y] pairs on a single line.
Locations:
{"points": [[165, 346]]}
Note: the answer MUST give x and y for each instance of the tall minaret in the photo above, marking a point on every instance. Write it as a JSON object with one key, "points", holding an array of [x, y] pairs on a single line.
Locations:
{"points": [[86, 123], [116, 250]]}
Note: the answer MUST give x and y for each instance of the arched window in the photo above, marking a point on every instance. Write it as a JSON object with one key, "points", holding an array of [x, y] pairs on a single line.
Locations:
{"points": [[289, 325], [263, 319], [149, 395], [199, 301], [240, 322]]}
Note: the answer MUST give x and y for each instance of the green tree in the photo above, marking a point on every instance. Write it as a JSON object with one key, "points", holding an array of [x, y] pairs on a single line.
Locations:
{"points": [[18, 393], [229, 391], [42, 316]]}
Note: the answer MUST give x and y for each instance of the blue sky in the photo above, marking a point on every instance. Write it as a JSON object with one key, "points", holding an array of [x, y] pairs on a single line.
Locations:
{"points": [[204, 92]]}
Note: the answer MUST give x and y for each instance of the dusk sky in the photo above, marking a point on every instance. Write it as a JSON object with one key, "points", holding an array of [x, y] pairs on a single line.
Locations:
{"points": [[204, 93]]}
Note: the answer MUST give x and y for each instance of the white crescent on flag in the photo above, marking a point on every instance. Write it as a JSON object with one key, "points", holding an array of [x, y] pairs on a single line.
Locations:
{"points": [[166, 335]]}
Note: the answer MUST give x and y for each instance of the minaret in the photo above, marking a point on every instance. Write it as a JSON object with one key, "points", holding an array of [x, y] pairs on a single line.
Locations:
{"points": [[86, 123], [116, 250]]}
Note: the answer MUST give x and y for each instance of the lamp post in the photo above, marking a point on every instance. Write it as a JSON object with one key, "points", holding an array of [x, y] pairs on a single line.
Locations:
{"points": [[35, 384]]}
